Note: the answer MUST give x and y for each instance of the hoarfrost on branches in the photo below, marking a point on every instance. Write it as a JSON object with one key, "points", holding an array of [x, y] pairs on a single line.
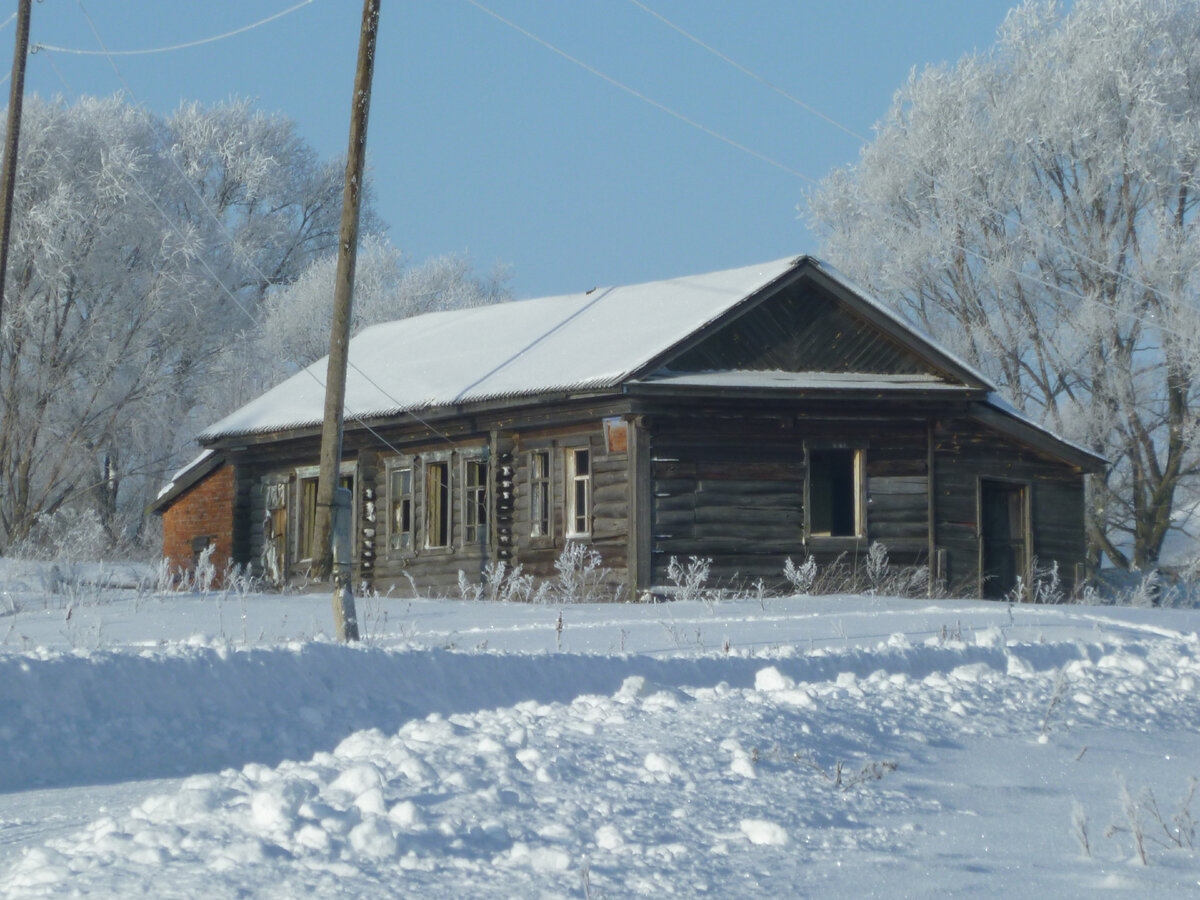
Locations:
{"points": [[1034, 207], [140, 244]]}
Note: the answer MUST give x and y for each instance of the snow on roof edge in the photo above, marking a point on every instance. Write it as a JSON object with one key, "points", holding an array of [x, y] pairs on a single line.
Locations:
{"points": [[998, 403]]}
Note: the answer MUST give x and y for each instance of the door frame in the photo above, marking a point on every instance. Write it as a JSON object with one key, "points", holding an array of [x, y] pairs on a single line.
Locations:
{"points": [[1025, 568]]}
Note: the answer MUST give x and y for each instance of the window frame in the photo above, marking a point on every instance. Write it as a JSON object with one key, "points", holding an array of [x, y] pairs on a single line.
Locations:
{"points": [[476, 499], [858, 480], [574, 482], [541, 526], [393, 470], [306, 514], [446, 506]]}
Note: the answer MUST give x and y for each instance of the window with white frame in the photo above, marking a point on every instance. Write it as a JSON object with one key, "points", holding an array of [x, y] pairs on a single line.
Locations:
{"points": [[835, 492], [437, 504], [579, 492], [539, 493], [400, 495], [475, 501]]}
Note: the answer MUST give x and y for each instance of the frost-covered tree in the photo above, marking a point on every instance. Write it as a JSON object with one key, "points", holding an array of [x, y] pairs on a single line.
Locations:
{"points": [[139, 245], [1034, 206], [297, 316]]}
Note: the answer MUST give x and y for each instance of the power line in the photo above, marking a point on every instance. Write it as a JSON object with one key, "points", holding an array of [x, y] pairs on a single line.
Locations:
{"points": [[969, 251], [173, 47], [643, 97], [217, 280], [978, 204], [737, 65]]}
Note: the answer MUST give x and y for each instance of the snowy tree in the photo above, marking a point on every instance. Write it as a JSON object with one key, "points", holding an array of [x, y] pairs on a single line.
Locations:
{"points": [[1034, 206], [139, 244], [297, 316]]}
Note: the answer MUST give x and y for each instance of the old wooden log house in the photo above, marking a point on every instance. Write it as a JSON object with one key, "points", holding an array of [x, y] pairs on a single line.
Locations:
{"points": [[745, 416]]}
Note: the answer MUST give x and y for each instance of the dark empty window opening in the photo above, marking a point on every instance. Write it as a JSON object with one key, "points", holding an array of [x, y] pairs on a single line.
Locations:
{"points": [[437, 504], [834, 476]]}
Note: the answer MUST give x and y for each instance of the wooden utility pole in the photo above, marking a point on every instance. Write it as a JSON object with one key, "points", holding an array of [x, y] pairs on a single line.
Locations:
{"points": [[16, 94], [339, 339]]}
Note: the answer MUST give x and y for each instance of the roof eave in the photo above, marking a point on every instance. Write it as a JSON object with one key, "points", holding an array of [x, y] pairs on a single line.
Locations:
{"points": [[1038, 437], [185, 482]]}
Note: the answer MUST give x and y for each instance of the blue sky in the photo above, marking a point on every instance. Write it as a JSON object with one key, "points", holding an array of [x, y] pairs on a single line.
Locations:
{"points": [[486, 142]]}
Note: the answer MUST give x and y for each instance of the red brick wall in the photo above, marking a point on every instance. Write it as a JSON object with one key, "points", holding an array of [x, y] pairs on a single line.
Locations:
{"points": [[204, 510]]}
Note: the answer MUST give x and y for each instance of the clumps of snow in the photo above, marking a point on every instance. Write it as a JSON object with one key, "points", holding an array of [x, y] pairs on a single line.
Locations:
{"points": [[697, 774], [762, 832]]}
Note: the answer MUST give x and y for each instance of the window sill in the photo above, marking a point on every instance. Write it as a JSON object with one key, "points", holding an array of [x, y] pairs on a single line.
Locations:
{"points": [[830, 544]]}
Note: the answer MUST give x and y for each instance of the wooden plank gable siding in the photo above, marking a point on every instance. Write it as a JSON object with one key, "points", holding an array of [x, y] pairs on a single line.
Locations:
{"points": [[966, 452], [733, 489], [800, 329]]}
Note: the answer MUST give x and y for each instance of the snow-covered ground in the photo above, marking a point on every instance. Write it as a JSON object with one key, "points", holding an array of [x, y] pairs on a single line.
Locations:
{"points": [[224, 746]]}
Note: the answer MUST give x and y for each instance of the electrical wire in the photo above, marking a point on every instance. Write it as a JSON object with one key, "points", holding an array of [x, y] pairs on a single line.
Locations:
{"points": [[643, 97], [249, 315], [962, 195], [1067, 292], [185, 46]]}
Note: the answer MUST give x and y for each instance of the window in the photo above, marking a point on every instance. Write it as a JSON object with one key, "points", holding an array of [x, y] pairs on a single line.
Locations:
{"points": [[579, 492], [539, 493], [835, 493], [308, 513], [475, 502], [437, 504], [401, 535]]}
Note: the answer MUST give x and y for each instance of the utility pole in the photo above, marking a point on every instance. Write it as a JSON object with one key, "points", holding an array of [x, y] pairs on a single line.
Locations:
{"points": [[16, 94], [344, 616]]}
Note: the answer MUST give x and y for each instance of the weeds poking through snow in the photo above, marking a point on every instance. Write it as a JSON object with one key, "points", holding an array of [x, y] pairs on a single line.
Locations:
{"points": [[206, 571], [580, 574], [689, 581], [877, 566], [1060, 688], [1146, 594], [1134, 826], [1079, 828], [837, 776], [801, 577], [1178, 830]]}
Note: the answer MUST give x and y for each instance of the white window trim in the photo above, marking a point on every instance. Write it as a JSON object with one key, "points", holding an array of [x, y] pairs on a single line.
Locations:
{"points": [[572, 478], [535, 532], [467, 460], [392, 466]]}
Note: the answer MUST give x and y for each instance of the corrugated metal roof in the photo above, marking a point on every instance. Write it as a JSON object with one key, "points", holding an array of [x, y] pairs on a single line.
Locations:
{"points": [[576, 342]]}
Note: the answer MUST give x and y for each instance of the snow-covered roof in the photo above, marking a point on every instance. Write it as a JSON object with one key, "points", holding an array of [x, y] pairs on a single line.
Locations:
{"points": [[583, 341], [183, 472], [804, 381], [591, 341]]}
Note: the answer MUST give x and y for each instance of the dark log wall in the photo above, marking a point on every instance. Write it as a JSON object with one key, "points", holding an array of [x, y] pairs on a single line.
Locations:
{"points": [[965, 451], [719, 481], [536, 554], [897, 491], [434, 569], [732, 489]]}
